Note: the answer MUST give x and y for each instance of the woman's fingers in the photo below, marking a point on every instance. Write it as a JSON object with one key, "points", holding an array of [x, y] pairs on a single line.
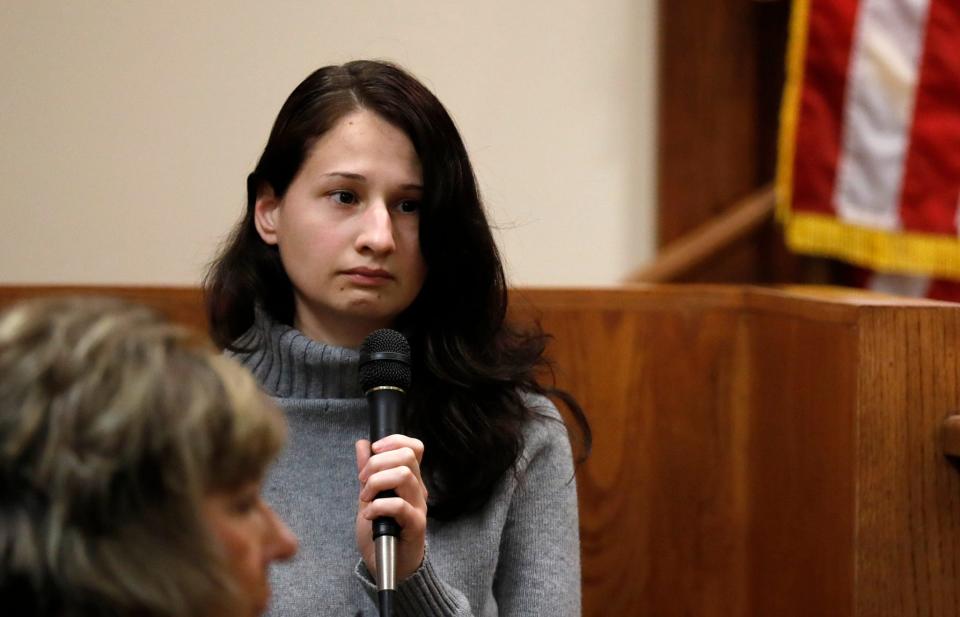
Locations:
{"points": [[411, 520], [393, 452], [392, 464], [401, 480], [390, 460], [396, 442]]}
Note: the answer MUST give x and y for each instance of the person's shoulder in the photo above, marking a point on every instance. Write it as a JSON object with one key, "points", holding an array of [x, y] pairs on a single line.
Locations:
{"points": [[251, 345], [545, 426], [541, 406], [547, 451], [246, 347]]}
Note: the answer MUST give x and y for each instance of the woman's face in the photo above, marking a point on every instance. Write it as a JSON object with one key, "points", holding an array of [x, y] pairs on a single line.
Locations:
{"points": [[252, 536], [348, 230]]}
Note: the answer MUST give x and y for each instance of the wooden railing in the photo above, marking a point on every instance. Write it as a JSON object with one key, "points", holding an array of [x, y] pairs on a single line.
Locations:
{"points": [[698, 246]]}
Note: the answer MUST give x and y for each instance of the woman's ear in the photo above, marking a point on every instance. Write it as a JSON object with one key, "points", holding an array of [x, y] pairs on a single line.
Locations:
{"points": [[265, 214]]}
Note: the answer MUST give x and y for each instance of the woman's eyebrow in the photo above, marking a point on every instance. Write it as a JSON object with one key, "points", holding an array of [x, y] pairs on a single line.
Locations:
{"points": [[412, 186], [355, 176], [346, 174]]}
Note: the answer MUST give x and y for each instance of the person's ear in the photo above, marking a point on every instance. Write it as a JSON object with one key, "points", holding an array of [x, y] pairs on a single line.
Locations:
{"points": [[265, 214]]}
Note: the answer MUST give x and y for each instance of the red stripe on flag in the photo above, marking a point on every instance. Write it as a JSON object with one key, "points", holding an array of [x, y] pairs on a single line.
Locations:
{"points": [[819, 128], [931, 183], [942, 289]]}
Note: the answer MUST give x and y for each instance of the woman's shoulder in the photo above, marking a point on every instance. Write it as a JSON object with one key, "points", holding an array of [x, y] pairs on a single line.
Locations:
{"points": [[254, 341], [541, 406], [546, 460], [545, 427]]}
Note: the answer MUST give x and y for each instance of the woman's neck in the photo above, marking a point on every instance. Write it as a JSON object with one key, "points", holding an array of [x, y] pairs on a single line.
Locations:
{"points": [[346, 332]]}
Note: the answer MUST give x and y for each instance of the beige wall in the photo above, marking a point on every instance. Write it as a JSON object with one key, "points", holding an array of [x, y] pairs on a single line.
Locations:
{"points": [[127, 127]]}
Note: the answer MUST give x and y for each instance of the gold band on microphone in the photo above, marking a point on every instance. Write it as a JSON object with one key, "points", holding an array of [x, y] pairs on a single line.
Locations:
{"points": [[400, 390]]}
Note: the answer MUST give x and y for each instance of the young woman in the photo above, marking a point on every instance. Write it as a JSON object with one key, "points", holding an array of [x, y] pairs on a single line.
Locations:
{"points": [[130, 467], [362, 213]]}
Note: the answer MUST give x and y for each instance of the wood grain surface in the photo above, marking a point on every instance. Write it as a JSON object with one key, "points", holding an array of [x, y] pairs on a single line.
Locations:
{"points": [[718, 89], [183, 305], [908, 524], [763, 452]]}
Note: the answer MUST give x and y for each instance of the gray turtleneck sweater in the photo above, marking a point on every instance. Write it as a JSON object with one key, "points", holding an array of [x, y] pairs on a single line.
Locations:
{"points": [[519, 555]]}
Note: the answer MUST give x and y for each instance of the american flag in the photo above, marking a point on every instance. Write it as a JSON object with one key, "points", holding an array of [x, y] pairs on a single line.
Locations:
{"points": [[869, 165]]}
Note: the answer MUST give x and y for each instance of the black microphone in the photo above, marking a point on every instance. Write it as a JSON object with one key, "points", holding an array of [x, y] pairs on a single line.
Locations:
{"points": [[385, 378]]}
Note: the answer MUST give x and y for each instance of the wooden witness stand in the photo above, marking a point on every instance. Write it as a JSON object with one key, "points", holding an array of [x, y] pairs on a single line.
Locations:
{"points": [[756, 452]]}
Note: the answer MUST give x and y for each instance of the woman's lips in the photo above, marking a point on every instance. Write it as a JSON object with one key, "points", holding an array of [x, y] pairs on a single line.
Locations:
{"points": [[368, 277]]}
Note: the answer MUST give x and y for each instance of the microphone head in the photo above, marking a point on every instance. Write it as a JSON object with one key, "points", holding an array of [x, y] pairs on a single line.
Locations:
{"points": [[384, 360]]}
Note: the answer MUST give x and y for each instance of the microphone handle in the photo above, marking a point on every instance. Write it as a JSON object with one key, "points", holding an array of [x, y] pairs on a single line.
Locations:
{"points": [[386, 411]]}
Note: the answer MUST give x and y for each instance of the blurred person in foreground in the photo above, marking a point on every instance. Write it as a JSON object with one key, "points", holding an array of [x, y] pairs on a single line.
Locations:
{"points": [[131, 459]]}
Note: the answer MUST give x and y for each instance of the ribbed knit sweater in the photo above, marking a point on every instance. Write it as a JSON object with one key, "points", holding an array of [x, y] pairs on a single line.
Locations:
{"points": [[518, 555]]}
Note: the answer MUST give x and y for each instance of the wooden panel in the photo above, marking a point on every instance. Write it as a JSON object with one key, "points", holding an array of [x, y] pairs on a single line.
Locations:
{"points": [[908, 557], [662, 501], [803, 383], [181, 304], [720, 78], [773, 453], [707, 110]]}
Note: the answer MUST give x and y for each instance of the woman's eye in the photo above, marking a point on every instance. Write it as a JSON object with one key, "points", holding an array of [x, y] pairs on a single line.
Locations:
{"points": [[344, 197], [244, 503], [242, 506], [408, 206]]}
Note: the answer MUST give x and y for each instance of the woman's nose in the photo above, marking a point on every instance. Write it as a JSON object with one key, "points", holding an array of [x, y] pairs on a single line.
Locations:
{"points": [[282, 542], [376, 233]]}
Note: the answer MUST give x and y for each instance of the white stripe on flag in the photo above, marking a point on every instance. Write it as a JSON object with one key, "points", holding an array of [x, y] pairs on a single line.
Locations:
{"points": [[900, 284], [956, 220], [884, 59]]}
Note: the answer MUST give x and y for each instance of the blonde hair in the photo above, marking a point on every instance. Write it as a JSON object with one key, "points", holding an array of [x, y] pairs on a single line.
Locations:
{"points": [[113, 426]]}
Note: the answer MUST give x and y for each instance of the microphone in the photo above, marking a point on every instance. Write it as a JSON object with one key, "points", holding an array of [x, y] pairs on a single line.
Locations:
{"points": [[384, 378]]}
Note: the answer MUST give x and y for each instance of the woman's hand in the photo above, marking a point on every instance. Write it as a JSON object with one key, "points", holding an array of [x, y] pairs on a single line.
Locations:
{"points": [[393, 465]]}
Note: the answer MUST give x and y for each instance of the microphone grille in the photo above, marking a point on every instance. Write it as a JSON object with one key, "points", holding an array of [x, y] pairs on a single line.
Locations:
{"points": [[384, 360]]}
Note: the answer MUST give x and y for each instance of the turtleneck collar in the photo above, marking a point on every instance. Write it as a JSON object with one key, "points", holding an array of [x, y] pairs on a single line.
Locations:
{"points": [[288, 364]]}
